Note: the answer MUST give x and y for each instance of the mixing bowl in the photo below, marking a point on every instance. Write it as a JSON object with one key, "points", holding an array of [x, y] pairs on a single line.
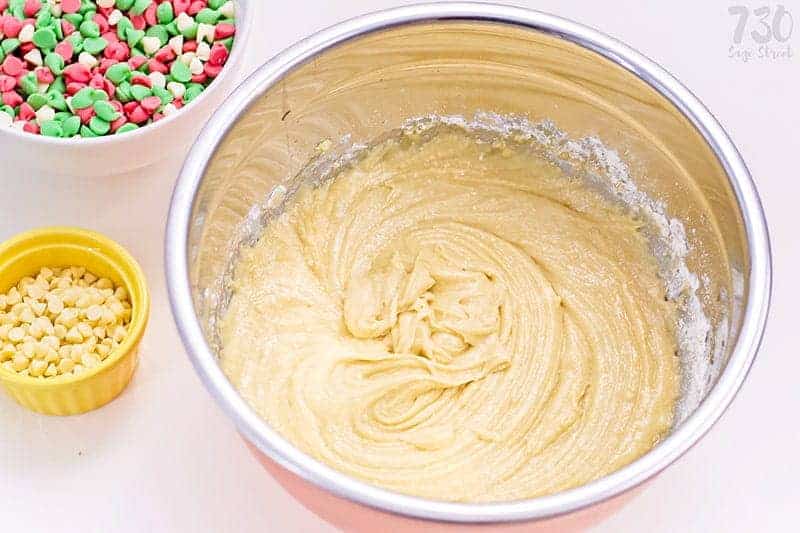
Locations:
{"points": [[136, 150], [357, 80]]}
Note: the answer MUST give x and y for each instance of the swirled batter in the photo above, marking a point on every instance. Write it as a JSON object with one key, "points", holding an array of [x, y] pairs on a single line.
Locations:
{"points": [[457, 320]]}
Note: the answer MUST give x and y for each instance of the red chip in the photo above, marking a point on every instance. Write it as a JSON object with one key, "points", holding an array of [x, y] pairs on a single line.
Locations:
{"points": [[136, 62], [165, 55], [195, 7], [74, 87], [85, 114], [11, 98], [43, 75], [150, 14], [129, 107], [77, 72], [200, 78], [138, 115], [31, 127], [101, 22], [31, 7], [7, 83], [151, 103], [180, 6], [190, 46], [138, 22], [157, 66], [11, 27], [24, 48], [26, 112], [218, 55], [223, 30], [105, 63], [13, 66], [65, 50], [67, 27], [141, 79], [70, 6], [117, 124], [212, 71]]}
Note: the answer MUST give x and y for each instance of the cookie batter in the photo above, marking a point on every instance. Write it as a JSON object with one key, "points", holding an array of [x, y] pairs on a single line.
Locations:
{"points": [[458, 320]]}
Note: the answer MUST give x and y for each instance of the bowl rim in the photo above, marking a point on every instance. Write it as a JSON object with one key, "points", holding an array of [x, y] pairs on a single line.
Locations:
{"points": [[117, 255], [236, 53], [269, 442]]}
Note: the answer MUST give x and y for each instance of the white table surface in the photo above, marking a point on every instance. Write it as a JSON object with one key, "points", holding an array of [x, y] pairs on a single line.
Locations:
{"points": [[162, 457]]}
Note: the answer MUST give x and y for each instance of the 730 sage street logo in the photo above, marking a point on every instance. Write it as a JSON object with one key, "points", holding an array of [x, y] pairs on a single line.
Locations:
{"points": [[761, 34]]}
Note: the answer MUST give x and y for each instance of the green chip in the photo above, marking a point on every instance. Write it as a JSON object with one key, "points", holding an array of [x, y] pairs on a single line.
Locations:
{"points": [[58, 85], [123, 92], [28, 83], [83, 98], [9, 45], [216, 4], [172, 28], [123, 26], [44, 18], [105, 111], [140, 92], [125, 128], [99, 94], [89, 28], [158, 31], [207, 16], [190, 32], [54, 62], [71, 125], [37, 100], [61, 116], [94, 45], [56, 100], [73, 18], [139, 6], [99, 126], [192, 92], [51, 128], [118, 73], [164, 95], [133, 36], [8, 110], [124, 5], [87, 132], [165, 13], [180, 72], [45, 38]]}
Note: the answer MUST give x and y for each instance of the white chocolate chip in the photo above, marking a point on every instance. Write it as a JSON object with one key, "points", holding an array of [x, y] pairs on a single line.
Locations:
{"points": [[228, 9], [26, 33], [203, 50], [157, 79], [205, 32], [183, 22], [177, 89], [44, 114], [150, 45], [87, 59], [114, 17], [33, 57], [176, 43]]}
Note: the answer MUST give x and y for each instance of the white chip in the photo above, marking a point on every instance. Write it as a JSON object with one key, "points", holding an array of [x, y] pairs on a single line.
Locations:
{"points": [[183, 22], [228, 9], [34, 57], [196, 66], [157, 79], [87, 59], [169, 109], [205, 32], [45, 114], [150, 45], [26, 33], [176, 43], [106, 3], [203, 50], [177, 89], [114, 17]]}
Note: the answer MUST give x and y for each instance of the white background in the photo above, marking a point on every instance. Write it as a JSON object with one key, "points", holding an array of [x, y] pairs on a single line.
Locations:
{"points": [[162, 457]]}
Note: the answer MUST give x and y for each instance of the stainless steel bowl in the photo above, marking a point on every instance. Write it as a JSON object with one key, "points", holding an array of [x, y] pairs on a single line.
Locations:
{"points": [[365, 76]]}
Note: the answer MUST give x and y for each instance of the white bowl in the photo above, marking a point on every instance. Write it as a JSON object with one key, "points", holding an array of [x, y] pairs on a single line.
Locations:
{"points": [[32, 155]]}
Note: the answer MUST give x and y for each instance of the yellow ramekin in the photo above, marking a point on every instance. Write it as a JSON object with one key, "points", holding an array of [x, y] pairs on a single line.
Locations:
{"points": [[24, 255]]}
